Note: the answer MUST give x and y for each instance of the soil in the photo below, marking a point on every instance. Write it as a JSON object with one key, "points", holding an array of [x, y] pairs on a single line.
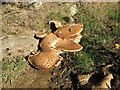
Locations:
{"points": [[20, 22]]}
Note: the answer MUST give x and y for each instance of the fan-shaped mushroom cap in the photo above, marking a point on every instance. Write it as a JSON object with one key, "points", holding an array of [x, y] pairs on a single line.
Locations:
{"points": [[69, 30], [53, 42], [67, 45], [45, 60]]}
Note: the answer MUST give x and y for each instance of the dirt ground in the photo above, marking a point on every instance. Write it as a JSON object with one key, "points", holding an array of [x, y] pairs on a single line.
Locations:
{"points": [[20, 21]]}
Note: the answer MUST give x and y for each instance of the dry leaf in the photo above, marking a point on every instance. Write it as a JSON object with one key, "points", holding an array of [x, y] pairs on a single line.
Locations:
{"points": [[105, 83]]}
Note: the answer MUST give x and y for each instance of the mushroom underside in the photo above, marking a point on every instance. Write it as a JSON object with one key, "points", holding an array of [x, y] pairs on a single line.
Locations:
{"points": [[68, 45]]}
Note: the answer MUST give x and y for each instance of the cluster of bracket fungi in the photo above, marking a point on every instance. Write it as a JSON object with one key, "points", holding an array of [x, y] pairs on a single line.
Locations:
{"points": [[65, 38]]}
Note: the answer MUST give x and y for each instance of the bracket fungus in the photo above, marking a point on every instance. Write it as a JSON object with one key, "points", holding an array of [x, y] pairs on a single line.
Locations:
{"points": [[44, 60], [68, 31], [64, 39]]}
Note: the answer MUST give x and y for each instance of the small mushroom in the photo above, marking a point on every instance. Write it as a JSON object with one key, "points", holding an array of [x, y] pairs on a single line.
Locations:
{"points": [[56, 23]]}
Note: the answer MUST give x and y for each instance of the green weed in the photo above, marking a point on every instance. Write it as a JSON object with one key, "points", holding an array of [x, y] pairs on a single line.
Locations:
{"points": [[83, 62], [11, 69], [101, 27]]}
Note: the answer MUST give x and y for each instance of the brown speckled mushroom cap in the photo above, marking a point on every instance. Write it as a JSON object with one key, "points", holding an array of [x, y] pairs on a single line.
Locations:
{"points": [[69, 30], [53, 42], [48, 42], [45, 60]]}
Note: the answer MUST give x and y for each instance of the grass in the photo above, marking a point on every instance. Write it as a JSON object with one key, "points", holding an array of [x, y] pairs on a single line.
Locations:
{"points": [[83, 62], [97, 31], [12, 69], [101, 27]]}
